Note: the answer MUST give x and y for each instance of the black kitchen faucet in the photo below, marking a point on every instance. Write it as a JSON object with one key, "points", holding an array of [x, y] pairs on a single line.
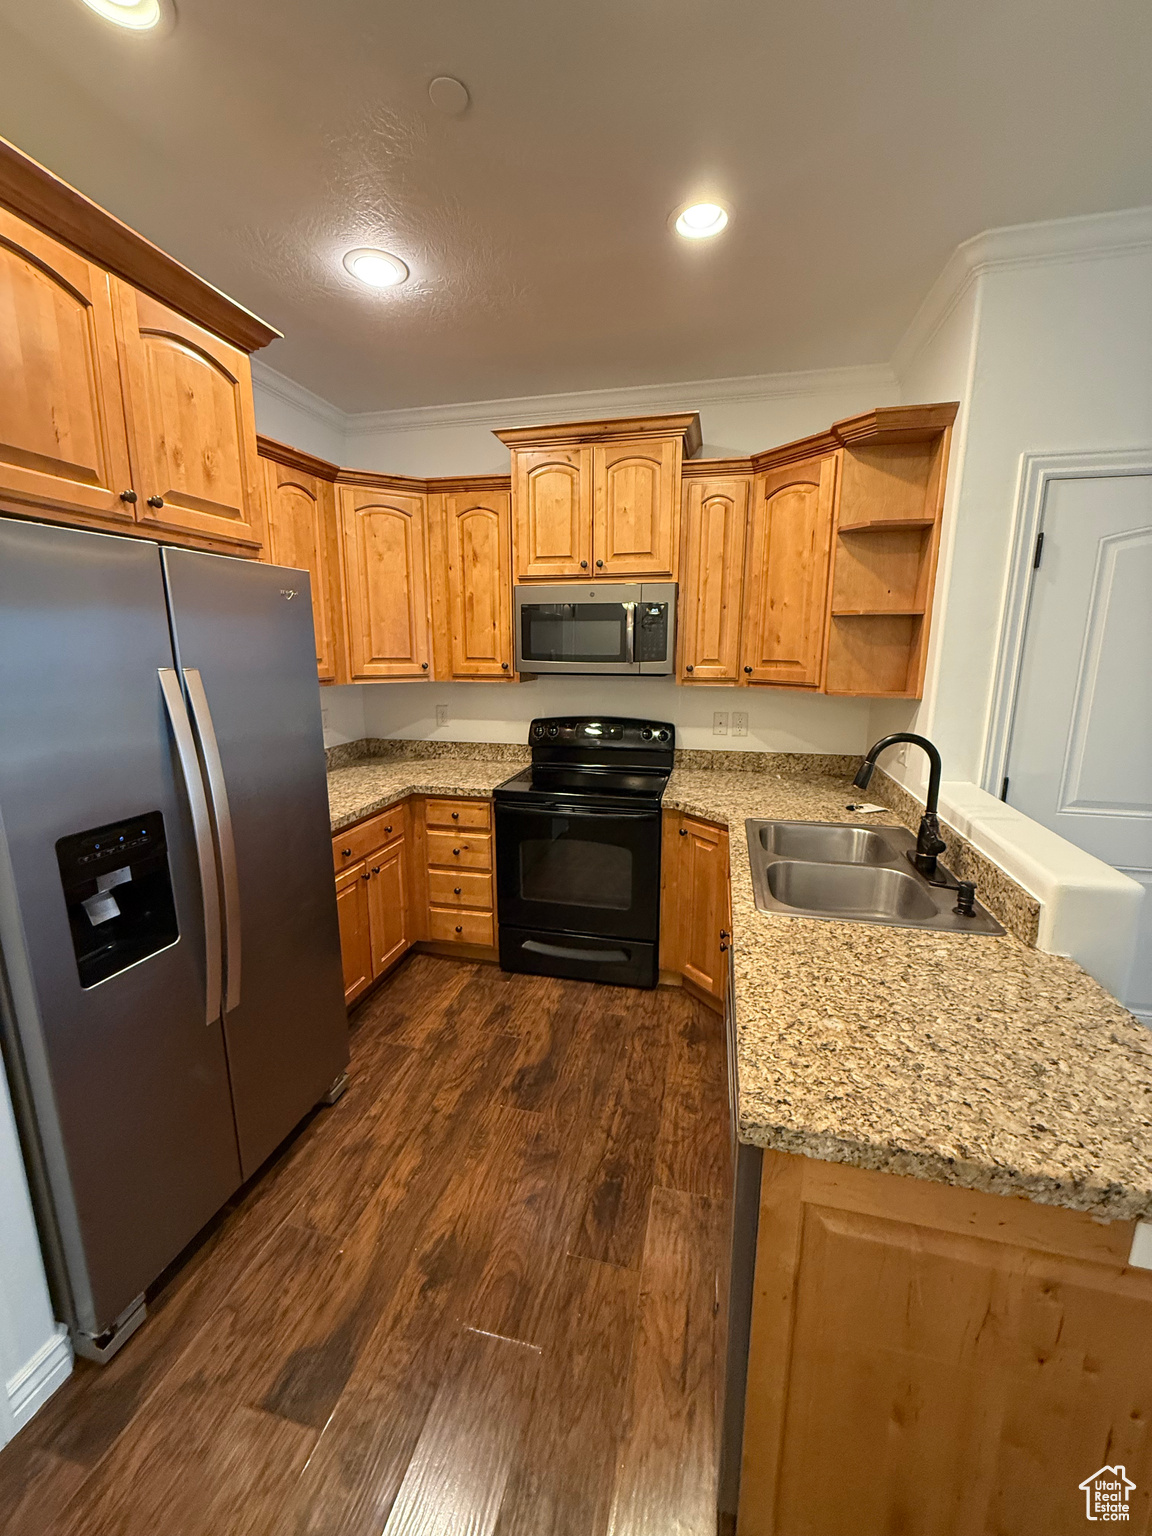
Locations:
{"points": [[929, 843]]}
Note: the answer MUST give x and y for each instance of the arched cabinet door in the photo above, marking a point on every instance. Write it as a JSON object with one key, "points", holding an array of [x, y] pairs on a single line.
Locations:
{"points": [[786, 575], [301, 515], [636, 504], [479, 558], [382, 541], [711, 577], [63, 447], [553, 499], [191, 429]]}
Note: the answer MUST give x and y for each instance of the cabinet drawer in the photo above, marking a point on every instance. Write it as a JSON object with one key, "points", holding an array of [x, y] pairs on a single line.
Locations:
{"points": [[459, 888], [454, 926], [473, 814], [366, 836], [460, 850]]}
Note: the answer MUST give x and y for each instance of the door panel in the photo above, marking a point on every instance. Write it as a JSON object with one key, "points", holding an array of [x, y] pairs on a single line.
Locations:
{"points": [[1080, 760], [387, 610], [301, 513], [786, 576], [191, 428], [125, 1072], [553, 507], [478, 531], [703, 900], [388, 904], [63, 444], [712, 565], [636, 507], [355, 938], [255, 651]]}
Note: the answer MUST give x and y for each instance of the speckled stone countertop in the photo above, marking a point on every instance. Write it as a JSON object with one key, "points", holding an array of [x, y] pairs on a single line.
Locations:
{"points": [[969, 1060]]}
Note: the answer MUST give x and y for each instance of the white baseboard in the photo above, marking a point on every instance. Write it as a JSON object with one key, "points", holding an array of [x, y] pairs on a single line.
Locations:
{"points": [[34, 1383]]}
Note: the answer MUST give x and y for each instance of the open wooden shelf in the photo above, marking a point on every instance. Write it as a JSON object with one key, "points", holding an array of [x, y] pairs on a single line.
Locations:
{"points": [[886, 524], [877, 613]]}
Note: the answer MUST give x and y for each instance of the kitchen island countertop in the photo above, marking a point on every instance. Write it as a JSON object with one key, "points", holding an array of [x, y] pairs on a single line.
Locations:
{"points": [[970, 1060]]}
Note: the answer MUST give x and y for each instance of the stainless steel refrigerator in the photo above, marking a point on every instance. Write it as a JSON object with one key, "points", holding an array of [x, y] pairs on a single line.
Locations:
{"points": [[171, 997]]}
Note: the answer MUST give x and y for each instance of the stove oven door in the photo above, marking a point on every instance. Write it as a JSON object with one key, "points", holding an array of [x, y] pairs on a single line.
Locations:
{"points": [[562, 868]]}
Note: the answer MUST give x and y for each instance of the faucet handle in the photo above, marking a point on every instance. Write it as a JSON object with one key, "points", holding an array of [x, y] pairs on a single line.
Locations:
{"points": [[965, 898]]}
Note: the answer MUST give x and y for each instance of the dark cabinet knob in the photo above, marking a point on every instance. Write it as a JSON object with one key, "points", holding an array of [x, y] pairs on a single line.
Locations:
{"points": [[455, 815], [503, 666], [455, 890], [456, 851], [723, 933], [155, 501], [683, 831], [345, 853], [376, 869], [689, 668], [128, 496], [387, 830], [748, 670], [459, 929], [723, 949], [365, 876], [423, 666], [583, 565], [599, 565]]}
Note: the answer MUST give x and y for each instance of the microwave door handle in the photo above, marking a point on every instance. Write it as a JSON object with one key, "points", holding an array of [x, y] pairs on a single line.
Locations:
{"points": [[202, 833], [222, 814], [630, 632]]}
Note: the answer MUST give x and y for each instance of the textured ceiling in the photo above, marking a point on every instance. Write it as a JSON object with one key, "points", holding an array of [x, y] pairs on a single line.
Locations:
{"points": [[858, 141]]}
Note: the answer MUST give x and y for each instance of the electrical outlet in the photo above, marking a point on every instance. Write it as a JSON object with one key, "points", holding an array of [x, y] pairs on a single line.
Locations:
{"points": [[720, 723], [441, 714], [739, 722]]}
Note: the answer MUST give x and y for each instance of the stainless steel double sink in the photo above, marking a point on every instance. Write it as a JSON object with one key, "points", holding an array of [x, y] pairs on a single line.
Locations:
{"points": [[852, 873]]}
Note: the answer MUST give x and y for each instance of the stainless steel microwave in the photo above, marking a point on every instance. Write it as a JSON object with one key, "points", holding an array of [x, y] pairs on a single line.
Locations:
{"points": [[597, 627]]}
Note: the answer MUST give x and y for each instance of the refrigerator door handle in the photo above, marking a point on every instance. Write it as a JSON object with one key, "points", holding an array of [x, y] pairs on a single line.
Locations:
{"points": [[226, 842], [202, 830]]}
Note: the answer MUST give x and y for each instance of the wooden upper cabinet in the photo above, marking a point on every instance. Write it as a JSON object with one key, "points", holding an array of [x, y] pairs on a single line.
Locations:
{"points": [[636, 503], [300, 510], [552, 491], [476, 531], [385, 592], [711, 578], [191, 428], [786, 573], [63, 446]]}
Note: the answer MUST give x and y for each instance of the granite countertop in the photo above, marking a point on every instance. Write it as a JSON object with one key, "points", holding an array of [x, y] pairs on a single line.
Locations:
{"points": [[971, 1060]]}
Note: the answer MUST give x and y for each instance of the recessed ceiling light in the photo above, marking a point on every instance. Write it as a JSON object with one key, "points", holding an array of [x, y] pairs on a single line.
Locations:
{"points": [[378, 269], [700, 220], [448, 95], [135, 15]]}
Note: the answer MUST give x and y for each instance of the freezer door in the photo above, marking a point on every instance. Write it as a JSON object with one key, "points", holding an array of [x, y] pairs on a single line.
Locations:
{"points": [[101, 915], [246, 650]]}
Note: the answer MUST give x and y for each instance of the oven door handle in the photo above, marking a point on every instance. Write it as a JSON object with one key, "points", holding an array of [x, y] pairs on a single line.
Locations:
{"points": [[630, 632], [551, 807], [568, 952]]}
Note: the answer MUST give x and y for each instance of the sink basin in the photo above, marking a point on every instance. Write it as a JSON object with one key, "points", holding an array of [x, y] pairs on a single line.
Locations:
{"points": [[826, 843], [850, 890], [852, 873]]}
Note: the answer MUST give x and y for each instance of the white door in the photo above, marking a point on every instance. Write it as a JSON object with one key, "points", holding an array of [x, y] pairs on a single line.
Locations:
{"points": [[1080, 757]]}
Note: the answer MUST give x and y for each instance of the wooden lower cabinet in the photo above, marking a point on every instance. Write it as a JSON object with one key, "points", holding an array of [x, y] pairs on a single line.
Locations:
{"points": [[695, 905], [355, 938], [459, 905], [373, 897], [937, 1361]]}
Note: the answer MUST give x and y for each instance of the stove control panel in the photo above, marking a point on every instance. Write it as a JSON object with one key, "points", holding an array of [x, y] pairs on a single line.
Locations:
{"points": [[602, 731]]}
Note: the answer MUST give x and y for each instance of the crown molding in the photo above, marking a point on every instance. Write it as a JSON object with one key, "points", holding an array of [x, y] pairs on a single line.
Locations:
{"points": [[291, 393], [609, 404], [1087, 237]]}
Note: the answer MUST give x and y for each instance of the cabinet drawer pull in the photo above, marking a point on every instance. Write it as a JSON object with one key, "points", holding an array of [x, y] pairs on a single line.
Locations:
{"points": [[683, 831], [345, 853], [376, 869], [155, 501], [455, 890], [365, 876], [387, 830], [455, 815], [459, 929], [723, 949], [724, 933], [128, 496], [456, 851]]}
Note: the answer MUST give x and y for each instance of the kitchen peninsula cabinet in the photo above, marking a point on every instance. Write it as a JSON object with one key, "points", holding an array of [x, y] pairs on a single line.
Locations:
{"points": [[385, 587], [695, 905], [927, 1358], [300, 518], [599, 498]]}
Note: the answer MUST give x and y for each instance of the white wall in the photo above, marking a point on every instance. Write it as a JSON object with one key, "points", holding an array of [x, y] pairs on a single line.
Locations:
{"points": [[777, 721], [35, 1356]]}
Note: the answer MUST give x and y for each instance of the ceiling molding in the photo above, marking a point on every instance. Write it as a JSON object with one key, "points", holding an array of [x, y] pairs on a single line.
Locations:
{"points": [[1085, 238], [291, 393], [638, 400]]}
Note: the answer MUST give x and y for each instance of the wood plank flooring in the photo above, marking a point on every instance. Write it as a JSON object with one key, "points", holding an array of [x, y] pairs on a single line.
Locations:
{"points": [[481, 1293]]}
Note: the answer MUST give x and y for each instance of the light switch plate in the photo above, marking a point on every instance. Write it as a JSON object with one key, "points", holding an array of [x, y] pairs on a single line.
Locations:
{"points": [[720, 723], [739, 722]]}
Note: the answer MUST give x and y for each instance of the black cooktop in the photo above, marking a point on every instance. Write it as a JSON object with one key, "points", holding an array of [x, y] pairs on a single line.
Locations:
{"points": [[595, 761]]}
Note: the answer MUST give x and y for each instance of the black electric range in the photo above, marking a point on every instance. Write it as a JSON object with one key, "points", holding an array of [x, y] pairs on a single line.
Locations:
{"points": [[578, 850]]}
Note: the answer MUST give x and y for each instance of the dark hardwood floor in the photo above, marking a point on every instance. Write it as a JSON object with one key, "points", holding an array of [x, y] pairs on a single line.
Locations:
{"points": [[480, 1294]]}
